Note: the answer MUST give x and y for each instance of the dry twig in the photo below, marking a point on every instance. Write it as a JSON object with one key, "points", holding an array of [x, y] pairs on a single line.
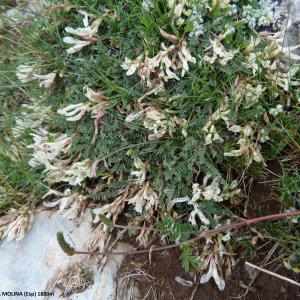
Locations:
{"points": [[273, 274]]}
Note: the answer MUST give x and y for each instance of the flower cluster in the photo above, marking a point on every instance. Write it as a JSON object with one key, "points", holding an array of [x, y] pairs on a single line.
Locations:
{"points": [[26, 73], [210, 190], [47, 148], [216, 256], [210, 131], [267, 60], [219, 53], [247, 93], [145, 199], [189, 12], [250, 134], [248, 143], [142, 171], [262, 15], [71, 205], [154, 72], [97, 105], [158, 122], [87, 34], [47, 151]]}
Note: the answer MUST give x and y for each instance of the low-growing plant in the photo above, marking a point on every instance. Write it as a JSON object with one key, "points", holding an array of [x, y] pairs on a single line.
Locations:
{"points": [[153, 110]]}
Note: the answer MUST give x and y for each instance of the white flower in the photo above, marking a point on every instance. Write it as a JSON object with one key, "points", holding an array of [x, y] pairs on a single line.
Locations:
{"points": [[257, 155], [179, 200], [77, 44], [156, 122], [141, 174], [71, 205], [25, 73], [134, 116], [185, 57], [88, 34], [213, 272], [171, 3], [219, 51], [178, 10], [95, 96], [147, 4], [213, 192], [131, 65], [74, 112], [248, 94], [232, 190], [235, 128], [77, 172], [207, 192], [145, 198], [275, 111], [47, 147], [212, 135], [264, 136], [161, 68], [47, 80], [248, 148], [209, 129], [247, 130], [197, 211]]}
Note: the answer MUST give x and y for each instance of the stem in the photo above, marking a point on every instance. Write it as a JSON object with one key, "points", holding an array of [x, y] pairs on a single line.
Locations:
{"points": [[199, 237], [273, 274]]}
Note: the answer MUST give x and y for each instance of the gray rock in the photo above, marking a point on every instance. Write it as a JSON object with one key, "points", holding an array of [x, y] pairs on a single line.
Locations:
{"points": [[28, 265]]}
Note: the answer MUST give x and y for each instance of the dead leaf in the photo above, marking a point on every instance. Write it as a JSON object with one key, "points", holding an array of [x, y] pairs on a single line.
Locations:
{"points": [[4, 220], [266, 118], [169, 37]]}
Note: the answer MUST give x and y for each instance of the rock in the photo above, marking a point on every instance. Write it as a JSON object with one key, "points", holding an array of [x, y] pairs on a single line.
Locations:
{"points": [[292, 37], [30, 264]]}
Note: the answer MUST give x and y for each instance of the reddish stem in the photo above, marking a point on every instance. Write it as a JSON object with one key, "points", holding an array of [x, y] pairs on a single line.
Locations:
{"points": [[199, 237]]}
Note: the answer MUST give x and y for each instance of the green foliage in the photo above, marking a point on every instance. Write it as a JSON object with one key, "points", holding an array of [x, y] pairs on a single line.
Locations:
{"points": [[106, 221], [188, 259], [176, 230], [288, 186]]}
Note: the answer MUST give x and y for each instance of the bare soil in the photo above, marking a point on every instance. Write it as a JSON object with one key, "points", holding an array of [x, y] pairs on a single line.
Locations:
{"points": [[166, 266], [156, 279]]}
